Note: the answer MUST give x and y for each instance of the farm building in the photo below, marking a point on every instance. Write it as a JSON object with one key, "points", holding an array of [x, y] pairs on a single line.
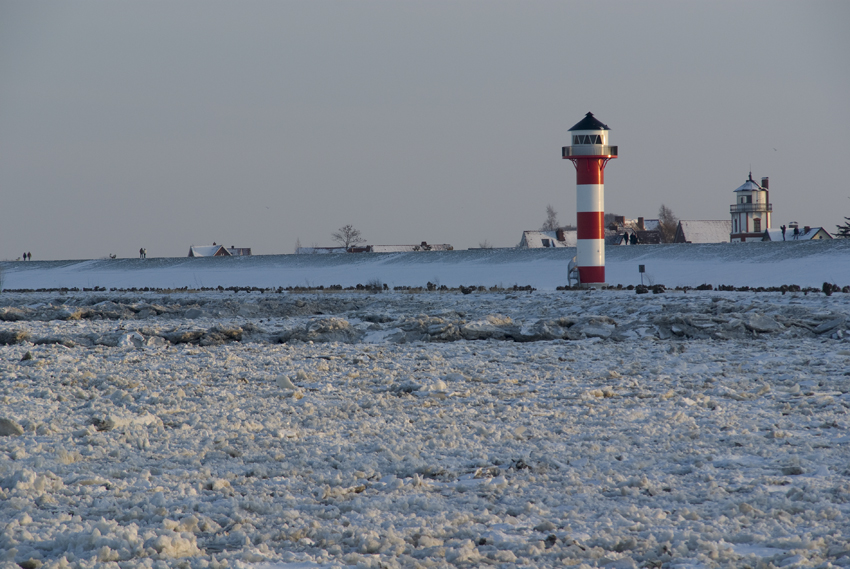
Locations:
{"points": [[218, 251], [703, 231], [319, 250], [424, 246], [546, 239]]}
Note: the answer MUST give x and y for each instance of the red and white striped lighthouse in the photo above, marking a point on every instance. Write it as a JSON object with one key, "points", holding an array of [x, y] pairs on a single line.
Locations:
{"points": [[590, 153]]}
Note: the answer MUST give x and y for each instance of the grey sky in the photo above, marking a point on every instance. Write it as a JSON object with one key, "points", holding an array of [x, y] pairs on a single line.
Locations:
{"points": [[168, 124]]}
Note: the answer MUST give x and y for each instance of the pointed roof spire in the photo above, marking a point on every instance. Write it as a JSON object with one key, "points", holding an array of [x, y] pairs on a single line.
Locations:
{"points": [[749, 185], [589, 122]]}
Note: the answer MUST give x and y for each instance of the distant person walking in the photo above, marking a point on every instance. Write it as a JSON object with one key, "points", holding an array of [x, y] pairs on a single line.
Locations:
{"points": [[25, 255], [29, 256], [143, 253]]}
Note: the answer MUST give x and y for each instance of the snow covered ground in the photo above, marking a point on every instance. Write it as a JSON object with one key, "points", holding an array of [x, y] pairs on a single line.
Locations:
{"points": [[592, 428], [752, 264]]}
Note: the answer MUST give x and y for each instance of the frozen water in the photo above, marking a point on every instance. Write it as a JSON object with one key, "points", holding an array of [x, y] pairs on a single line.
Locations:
{"points": [[593, 428]]}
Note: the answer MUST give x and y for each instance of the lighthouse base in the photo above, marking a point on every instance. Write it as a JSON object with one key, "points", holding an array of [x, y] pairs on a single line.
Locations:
{"points": [[591, 274], [592, 285]]}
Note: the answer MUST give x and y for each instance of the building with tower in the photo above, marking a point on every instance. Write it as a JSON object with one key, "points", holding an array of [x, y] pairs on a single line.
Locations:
{"points": [[590, 152], [751, 211]]}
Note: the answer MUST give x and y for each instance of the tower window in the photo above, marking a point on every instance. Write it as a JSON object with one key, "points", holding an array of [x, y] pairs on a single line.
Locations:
{"points": [[587, 139], [757, 225]]}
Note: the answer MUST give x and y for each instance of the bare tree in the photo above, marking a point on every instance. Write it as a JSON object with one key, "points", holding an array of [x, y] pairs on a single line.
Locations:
{"points": [[347, 236], [551, 223], [667, 223], [297, 244], [485, 245]]}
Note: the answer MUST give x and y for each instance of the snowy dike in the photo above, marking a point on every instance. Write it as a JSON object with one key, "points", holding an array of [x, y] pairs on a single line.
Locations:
{"points": [[266, 429], [804, 263]]}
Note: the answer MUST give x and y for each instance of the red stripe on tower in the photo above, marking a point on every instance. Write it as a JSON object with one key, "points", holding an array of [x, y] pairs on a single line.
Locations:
{"points": [[592, 275], [590, 172], [590, 225], [590, 153]]}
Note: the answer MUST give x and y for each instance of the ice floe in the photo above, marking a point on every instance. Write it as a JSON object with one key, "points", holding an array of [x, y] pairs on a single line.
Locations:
{"points": [[595, 429]]}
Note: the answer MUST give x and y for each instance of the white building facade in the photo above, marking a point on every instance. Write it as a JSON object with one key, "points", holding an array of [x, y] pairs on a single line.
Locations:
{"points": [[751, 211]]}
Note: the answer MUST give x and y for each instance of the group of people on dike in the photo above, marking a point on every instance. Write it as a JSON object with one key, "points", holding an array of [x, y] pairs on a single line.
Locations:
{"points": [[143, 254]]}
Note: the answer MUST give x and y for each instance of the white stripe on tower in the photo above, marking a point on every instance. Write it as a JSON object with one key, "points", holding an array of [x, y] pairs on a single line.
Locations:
{"points": [[590, 245], [590, 197]]}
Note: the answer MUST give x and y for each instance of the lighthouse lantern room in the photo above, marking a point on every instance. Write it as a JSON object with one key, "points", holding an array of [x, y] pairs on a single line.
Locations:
{"points": [[751, 211], [590, 153]]}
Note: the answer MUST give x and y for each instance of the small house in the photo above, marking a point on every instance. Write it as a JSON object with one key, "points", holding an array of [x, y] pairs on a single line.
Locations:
{"points": [[647, 231], [794, 233], [209, 251]]}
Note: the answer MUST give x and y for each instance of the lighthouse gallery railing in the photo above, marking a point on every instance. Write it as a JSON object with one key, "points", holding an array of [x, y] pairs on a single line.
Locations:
{"points": [[750, 207], [588, 150]]}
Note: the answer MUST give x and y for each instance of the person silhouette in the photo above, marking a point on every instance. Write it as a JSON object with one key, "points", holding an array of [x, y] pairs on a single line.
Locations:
{"points": [[29, 256]]}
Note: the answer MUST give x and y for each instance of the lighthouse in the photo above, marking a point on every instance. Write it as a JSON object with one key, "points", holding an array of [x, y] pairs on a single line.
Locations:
{"points": [[751, 211], [590, 153]]}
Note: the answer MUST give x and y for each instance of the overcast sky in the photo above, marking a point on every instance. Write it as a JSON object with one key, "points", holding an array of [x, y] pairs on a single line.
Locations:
{"points": [[261, 123]]}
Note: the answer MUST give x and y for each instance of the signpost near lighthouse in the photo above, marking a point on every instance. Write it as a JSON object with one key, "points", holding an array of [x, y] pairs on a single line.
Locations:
{"points": [[590, 153]]}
